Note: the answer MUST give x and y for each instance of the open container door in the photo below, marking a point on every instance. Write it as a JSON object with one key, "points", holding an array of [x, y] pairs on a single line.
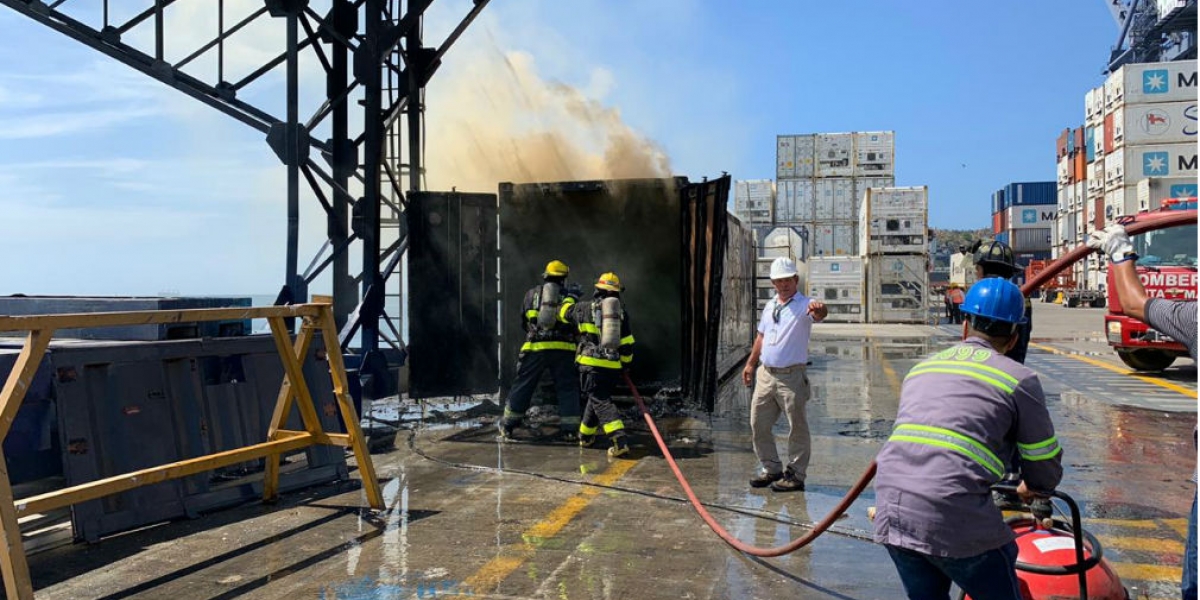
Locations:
{"points": [[716, 319], [452, 294], [680, 256]]}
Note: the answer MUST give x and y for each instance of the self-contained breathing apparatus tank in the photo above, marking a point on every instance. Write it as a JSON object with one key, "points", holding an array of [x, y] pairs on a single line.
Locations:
{"points": [[610, 325], [548, 303]]}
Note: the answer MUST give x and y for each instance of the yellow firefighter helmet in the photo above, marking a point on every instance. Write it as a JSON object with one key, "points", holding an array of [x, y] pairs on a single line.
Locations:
{"points": [[609, 281], [556, 268]]}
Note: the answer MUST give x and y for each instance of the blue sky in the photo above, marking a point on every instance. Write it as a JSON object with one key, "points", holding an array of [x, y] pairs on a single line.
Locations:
{"points": [[111, 183]]}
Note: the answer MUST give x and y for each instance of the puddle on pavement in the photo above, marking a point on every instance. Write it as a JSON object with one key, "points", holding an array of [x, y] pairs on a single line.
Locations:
{"points": [[873, 429]]}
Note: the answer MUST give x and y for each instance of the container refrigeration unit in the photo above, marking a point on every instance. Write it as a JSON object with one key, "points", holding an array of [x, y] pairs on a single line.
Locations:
{"points": [[838, 282], [895, 220], [753, 200]]}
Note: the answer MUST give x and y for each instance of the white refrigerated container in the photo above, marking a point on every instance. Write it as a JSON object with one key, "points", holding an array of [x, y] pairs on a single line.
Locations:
{"points": [[1160, 123], [1150, 82], [1126, 166], [895, 220]]}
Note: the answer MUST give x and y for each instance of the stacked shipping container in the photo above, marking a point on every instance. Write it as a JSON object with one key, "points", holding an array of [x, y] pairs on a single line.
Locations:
{"points": [[1150, 129], [838, 282], [1139, 147], [753, 201], [1023, 216], [821, 179], [894, 230]]}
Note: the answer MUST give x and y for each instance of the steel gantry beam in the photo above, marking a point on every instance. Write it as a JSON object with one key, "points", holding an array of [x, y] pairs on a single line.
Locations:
{"points": [[371, 52], [1150, 31]]}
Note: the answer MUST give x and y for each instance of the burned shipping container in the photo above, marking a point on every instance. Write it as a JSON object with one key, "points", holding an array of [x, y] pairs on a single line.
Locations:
{"points": [[686, 265]]}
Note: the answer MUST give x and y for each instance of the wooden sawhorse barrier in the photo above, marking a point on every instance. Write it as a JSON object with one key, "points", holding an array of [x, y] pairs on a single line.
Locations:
{"points": [[40, 328]]}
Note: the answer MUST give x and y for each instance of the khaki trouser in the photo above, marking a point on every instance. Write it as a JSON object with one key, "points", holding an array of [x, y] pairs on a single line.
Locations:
{"points": [[783, 391]]}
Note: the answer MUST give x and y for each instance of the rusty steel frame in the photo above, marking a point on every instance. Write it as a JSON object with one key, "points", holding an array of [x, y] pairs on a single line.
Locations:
{"points": [[317, 321]]}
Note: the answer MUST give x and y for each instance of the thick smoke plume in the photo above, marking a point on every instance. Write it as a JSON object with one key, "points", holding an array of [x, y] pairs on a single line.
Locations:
{"points": [[497, 120]]}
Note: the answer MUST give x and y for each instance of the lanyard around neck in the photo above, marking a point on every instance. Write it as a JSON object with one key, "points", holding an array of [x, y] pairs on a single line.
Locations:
{"points": [[779, 308]]}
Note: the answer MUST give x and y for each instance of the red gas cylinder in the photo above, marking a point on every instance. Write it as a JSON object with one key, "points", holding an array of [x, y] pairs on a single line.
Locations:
{"points": [[1040, 547]]}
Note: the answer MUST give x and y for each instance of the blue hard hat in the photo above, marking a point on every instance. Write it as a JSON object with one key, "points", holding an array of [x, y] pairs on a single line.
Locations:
{"points": [[995, 299]]}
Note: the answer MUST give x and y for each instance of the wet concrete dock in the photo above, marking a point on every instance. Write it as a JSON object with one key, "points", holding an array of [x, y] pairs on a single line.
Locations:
{"points": [[470, 516]]}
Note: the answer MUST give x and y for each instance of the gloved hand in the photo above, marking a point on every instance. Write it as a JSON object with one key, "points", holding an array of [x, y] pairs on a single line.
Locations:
{"points": [[1112, 242], [1041, 509]]}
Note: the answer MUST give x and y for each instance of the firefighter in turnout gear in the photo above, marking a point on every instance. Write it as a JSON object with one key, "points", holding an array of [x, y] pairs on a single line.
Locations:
{"points": [[605, 349], [967, 415], [995, 259], [549, 344]]}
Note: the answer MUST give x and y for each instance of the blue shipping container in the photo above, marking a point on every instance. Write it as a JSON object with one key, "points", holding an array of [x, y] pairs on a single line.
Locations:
{"points": [[1032, 193], [1089, 143], [1070, 142], [1023, 258], [1002, 237], [998, 203]]}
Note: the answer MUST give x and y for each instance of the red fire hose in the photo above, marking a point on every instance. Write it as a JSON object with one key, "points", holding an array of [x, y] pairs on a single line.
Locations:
{"points": [[1167, 219]]}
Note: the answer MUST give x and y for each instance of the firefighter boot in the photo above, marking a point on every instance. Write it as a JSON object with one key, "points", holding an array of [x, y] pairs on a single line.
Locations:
{"points": [[620, 445], [506, 426]]}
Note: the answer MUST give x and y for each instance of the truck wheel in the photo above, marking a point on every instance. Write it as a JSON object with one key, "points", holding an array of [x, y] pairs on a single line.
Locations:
{"points": [[1099, 303], [1146, 360], [1072, 301]]}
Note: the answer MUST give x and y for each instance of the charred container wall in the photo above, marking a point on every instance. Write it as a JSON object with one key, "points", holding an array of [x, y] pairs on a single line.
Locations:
{"points": [[671, 244]]}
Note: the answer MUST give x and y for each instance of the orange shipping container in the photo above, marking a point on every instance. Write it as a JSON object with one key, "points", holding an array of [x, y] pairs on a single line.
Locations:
{"points": [[996, 226], [1061, 144], [1108, 134], [1080, 164], [1098, 214]]}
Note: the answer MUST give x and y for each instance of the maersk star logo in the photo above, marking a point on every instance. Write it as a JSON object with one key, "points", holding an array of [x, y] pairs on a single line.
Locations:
{"points": [[1155, 164], [1183, 191], [1155, 82], [1029, 216]]}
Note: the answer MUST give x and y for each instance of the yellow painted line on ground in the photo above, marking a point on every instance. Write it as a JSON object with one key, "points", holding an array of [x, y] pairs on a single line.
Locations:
{"points": [[892, 377], [1143, 544], [1147, 572], [1179, 525], [1128, 523], [513, 556], [1115, 369]]}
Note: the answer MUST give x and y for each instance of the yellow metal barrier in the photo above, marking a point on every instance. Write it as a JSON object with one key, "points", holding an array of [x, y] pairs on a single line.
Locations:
{"points": [[317, 318]]}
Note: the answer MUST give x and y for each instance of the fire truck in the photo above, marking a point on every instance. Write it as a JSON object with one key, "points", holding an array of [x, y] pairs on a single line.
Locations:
{"points": [[1167, 269]]}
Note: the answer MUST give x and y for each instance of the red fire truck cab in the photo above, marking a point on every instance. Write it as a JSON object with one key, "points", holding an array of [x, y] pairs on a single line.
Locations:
{"points": [[1167, 268]]}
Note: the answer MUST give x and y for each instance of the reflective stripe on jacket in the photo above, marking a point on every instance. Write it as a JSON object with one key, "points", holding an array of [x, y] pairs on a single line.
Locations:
{"points": [[561, 337], [590, 353]]}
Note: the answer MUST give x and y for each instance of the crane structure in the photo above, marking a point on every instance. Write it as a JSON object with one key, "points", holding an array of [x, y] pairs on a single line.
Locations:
{"points": [[366, 52], [1152, 31]]}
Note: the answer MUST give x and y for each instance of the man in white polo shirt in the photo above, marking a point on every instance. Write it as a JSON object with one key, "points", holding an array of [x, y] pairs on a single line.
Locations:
{"points": [[781, 384]]}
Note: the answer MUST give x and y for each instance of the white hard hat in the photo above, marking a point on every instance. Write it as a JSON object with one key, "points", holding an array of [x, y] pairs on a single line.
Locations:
{"points": [[783, 268]]}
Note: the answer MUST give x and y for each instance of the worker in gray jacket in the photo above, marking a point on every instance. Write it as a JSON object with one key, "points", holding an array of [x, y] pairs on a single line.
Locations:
{"points": [[962, 413]]}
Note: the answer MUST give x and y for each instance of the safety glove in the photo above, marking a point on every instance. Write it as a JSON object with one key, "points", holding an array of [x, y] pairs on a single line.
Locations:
{"points": [[1113, 242]]}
